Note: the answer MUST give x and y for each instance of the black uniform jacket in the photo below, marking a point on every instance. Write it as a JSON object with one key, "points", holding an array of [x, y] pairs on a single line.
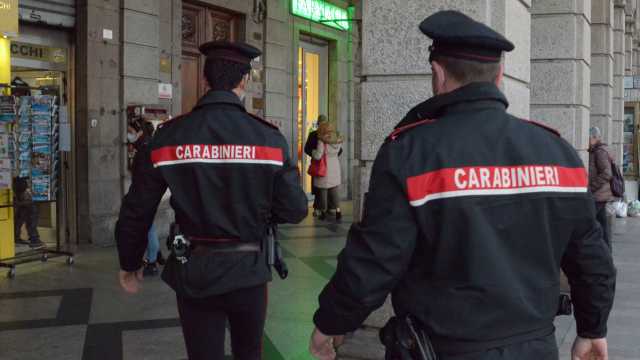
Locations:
{"points": [[229, 174], [470, 215]]}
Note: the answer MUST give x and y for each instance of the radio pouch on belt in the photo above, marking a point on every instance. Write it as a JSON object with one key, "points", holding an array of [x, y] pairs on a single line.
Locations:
{"points": [[274, 253], [178, 244], [405, 340]]}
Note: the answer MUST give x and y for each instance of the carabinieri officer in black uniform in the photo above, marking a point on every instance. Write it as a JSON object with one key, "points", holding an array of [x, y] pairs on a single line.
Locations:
{"points": [[470, 215], [230, 176]]}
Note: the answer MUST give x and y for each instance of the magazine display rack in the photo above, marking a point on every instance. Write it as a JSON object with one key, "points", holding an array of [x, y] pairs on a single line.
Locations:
{"points": [[29, 148]]}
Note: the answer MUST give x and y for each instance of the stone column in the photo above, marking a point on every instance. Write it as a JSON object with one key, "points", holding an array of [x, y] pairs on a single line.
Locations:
{"points": [[141, 49], [395, 76], [119, 47], [560, 68], [636, 56], [618, 80], [628, 45], [98, 119], [279, 87], [602, 66]]}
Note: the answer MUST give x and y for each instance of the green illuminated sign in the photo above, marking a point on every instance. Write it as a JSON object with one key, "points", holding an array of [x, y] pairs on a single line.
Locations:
{"points": [[322, 12]]}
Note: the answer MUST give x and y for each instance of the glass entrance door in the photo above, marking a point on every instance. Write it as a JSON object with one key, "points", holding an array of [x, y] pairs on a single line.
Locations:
{"points": [[313, 72]]}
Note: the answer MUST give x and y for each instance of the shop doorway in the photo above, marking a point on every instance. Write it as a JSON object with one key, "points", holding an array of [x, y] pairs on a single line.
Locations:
{"points": [[313, 78], [42, 71], [201, 24]]}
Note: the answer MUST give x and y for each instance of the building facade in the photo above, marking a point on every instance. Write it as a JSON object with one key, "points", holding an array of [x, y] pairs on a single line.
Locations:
{"points": [[360, 62], [364, 72]]}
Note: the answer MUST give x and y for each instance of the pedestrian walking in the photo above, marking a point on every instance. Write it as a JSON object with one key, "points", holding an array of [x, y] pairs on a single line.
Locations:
{"points": [[309, 146], [141, 139], [26, 213], [231, 179], [600, 175], [329, 145], [470, 215]]}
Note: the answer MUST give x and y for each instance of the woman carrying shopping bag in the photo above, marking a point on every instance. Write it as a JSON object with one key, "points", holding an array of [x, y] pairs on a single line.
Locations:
{"points": [[328, 149]]}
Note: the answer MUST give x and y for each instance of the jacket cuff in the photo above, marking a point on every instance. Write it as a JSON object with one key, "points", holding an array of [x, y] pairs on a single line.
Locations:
{"points": [[130, 265], [597, 334], [329, 323]]}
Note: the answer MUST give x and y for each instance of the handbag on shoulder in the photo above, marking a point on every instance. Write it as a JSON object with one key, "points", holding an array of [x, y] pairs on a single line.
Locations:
{"points": [[318, 168]]}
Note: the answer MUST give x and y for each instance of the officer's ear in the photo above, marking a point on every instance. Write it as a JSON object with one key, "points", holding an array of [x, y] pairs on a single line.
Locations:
{"points": [[438, 78], [243, 83], [498, 80]]}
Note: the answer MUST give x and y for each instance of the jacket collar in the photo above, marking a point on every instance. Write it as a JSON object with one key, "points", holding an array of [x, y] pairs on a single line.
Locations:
{"points": [[219, 97], [471, 97], [597, 146]]}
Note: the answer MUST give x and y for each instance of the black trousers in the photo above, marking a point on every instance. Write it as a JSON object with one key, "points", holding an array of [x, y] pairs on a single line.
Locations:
{"points": [[27, 214], [544, 348], [605, 222], [329, 199], [204, 322]]}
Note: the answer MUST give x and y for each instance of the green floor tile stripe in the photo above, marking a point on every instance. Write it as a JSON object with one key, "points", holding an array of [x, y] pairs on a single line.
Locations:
{"points": [[286, 253], [270, 352], [319, 265]]}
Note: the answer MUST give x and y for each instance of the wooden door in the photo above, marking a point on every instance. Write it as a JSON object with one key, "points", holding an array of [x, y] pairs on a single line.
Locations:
{"points": [[201, 24]]}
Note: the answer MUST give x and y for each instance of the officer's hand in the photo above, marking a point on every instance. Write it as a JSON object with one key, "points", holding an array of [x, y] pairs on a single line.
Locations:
{"points": [[323, 346], [130, 281], [589, 349]]}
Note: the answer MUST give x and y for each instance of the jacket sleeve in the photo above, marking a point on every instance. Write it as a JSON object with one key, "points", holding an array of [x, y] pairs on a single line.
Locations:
{"points": [[318, 151], [588, 264], [289, 200], [137, 212], [377, 254], [312, 142], [603, 167]]}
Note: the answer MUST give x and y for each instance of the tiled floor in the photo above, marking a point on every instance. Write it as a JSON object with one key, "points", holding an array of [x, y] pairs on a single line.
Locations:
{"points": [[51, 310], [54, 311]]}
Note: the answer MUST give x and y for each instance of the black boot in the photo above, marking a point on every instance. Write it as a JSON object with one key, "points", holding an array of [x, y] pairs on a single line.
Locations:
{"points": [[150, 269], [160, 260]]}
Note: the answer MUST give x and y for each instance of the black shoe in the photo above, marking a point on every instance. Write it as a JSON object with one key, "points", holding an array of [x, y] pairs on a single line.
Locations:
{"points": [[36, 244], [150, 269], [338, 215], [21, 242], [160, 259], [323, 215]]}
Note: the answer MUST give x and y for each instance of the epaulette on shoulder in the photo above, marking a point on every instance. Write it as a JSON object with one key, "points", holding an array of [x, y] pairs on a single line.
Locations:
{"points": [[268, 123], [172, 120], [394, 135], [546, 127]]}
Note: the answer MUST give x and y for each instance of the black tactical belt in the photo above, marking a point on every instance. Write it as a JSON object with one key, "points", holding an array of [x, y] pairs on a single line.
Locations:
{"points": [[183, 246], [210, 247]]}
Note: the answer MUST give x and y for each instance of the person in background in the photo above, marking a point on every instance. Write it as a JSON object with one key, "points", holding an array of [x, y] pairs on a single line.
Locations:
{"points": [[26, 212], [309, 146], [140, 140], [329, 144], [600, 175]]}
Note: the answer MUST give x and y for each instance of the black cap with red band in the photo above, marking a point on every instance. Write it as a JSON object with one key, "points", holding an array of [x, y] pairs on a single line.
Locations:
{"points": [[230, 51], [458, 36]]}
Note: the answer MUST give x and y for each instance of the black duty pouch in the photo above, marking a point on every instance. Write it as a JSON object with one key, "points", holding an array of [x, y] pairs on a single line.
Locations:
{"points": [[404, 339]]}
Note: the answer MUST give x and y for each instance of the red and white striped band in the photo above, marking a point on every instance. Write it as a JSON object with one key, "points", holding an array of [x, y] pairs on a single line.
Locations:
{"points": [[493, 181], [216, 154]]}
